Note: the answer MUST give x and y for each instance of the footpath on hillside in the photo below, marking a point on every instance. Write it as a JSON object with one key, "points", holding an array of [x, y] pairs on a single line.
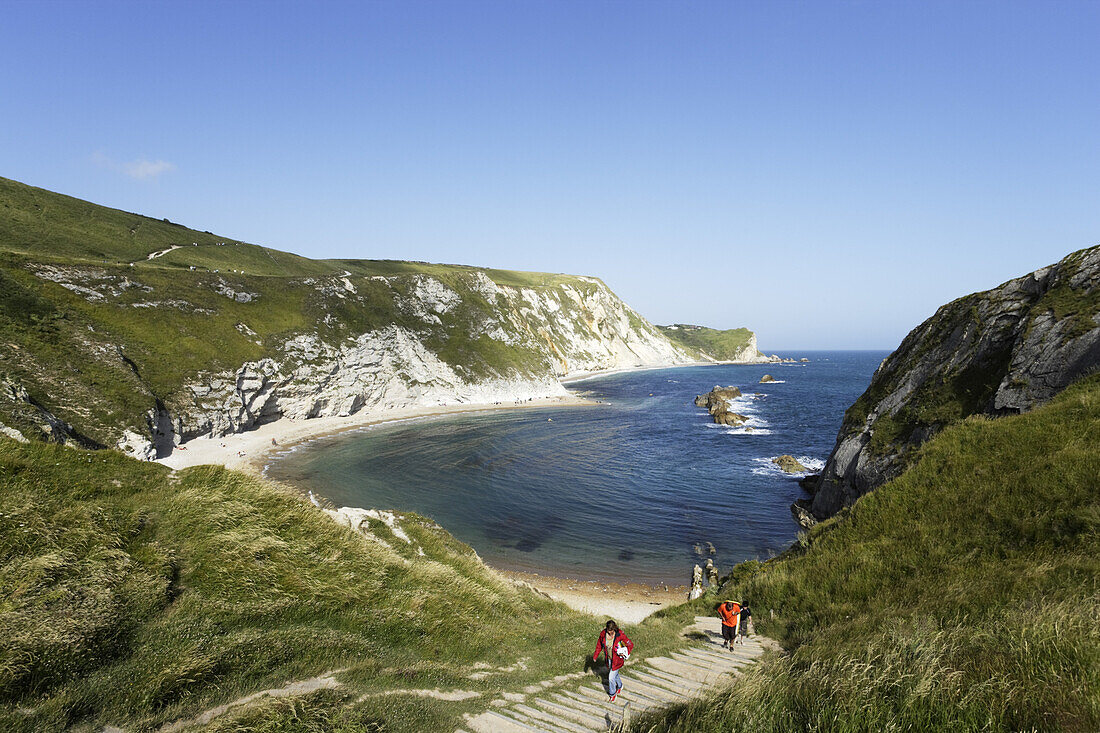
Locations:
{"points": [[575, 705]]}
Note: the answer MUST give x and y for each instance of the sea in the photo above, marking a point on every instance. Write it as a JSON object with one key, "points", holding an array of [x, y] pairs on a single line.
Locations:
{"points": [[638, 487]]}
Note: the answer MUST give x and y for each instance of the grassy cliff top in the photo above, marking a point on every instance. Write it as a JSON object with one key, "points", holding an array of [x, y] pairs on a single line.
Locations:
{"points": [[44, 225], [962, 595], [722, 345]]}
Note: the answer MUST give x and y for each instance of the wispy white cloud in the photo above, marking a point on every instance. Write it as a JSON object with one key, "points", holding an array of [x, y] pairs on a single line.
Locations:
{"points": [[141, 169]]}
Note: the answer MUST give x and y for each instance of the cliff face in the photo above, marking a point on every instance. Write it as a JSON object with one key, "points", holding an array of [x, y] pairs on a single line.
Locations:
{"points": [[998, 352], [120, 330], [563, 329]]}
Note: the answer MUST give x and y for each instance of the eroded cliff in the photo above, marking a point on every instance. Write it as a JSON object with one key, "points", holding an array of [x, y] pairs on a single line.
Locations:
{"points": [[120, 330]]}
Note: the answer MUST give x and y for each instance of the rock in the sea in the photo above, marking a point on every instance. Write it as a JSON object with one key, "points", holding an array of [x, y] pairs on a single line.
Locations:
{"points": [[803, 359], [717, 402], [789, 464], [766, 378], [725, 417]]}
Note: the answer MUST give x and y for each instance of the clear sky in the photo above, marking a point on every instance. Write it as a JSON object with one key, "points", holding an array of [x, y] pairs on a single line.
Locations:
{"points": [[825, 173]]}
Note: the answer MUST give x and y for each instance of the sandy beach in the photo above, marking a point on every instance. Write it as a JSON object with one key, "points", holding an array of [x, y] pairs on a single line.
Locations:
{"points": [[251, 450], [623, 602]]}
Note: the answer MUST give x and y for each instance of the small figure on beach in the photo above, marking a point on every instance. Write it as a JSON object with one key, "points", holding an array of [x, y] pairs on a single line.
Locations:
{"points": [[616, 648], [273, 442], [729, 612]]}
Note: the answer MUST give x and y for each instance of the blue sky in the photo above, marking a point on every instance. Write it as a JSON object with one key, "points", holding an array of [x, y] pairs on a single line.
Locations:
{"points": [[826, 173]]}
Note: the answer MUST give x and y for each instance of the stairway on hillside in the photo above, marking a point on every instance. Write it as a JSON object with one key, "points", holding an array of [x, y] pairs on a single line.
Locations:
{"points": [[653, 683]]}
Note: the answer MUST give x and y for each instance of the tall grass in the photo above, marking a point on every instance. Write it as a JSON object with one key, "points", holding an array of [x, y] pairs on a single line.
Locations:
{"points": [[964, 595], [133, 596]]}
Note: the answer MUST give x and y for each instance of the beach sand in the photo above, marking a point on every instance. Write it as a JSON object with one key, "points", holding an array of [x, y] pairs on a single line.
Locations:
{"points": [[250, 451], [624, 602]]}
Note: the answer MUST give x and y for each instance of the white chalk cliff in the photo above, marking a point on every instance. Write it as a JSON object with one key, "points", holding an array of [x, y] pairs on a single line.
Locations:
{"points": [[568, 328]]}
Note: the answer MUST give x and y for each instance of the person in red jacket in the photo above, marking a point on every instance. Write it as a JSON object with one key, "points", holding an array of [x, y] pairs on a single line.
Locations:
{"points": [[616, 648]]}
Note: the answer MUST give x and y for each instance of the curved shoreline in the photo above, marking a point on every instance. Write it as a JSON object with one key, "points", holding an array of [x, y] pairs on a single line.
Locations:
{"points": [[252, 451]]}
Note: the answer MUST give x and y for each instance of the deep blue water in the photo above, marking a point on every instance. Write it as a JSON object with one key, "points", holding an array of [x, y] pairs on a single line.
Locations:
{"points": [[622, 491]]}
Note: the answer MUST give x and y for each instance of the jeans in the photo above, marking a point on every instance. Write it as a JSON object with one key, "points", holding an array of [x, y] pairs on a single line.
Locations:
{"points": [[614, 684]]}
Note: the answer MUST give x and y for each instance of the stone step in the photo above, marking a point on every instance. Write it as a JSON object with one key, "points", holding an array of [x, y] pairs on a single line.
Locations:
{"points": [[674, 679], [575, 713], [573, 697], [601, 697], [690, 671], [680, 686], [623, 695], [658, 694], [721, 656], [493, 722], [554, 723], [709, 665]]}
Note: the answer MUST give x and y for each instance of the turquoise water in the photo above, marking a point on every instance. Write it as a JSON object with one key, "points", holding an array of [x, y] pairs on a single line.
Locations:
{"points": [[627, 490]]}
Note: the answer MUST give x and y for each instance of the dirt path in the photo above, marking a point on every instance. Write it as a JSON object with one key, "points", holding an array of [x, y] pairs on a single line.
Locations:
{"points": [[301, 687], [654, 683]]}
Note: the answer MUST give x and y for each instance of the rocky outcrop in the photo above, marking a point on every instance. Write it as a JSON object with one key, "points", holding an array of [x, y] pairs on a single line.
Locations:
{"points": [[718, 401], [800, 510], [789, 464], [766, 378], [1002, 351]]}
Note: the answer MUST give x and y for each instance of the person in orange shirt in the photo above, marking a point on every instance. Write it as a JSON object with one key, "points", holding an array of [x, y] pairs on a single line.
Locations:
{"points": [[730, 614]]}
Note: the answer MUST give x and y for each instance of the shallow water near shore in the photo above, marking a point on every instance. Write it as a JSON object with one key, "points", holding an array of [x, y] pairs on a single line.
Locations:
{"points": [[632, 490]]}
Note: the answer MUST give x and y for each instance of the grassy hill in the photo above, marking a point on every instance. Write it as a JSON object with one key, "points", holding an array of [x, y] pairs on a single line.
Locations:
{"points": [[963, 595], [723, 345], [132, 596], [43, 225], [108, 318]]}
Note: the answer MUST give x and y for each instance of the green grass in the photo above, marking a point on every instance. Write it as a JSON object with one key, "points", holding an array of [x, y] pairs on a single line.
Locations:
{"points": [[132, 596], [722, 345], [963, 595]]}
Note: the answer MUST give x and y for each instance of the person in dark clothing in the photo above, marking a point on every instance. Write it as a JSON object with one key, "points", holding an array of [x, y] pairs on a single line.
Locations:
{"points": [[746, 620]]}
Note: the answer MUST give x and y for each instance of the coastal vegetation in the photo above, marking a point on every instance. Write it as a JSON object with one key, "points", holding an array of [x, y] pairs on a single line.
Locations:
{"points": [[721, 344], [962, 595], [134, 596]]}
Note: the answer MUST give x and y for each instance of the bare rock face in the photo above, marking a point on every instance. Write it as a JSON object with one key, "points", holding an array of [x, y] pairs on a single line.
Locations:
{"points": [[800, 510], [579, 328], [998, 352]]}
